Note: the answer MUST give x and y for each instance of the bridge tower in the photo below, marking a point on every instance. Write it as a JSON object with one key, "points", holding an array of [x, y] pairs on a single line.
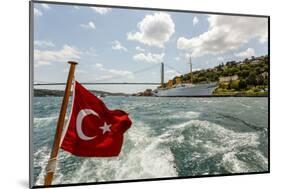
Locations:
{"points": [[162, 74]]}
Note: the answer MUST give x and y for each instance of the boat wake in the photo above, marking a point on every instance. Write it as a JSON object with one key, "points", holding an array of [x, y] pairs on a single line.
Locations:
{"points": [[169, 138]]}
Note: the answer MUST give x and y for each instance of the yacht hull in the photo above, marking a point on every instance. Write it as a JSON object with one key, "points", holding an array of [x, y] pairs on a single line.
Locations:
{"points": [[188, 90]]}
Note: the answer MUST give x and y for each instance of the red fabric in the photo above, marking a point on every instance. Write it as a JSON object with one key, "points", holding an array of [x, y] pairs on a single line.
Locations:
{"points": [[108, 142]]}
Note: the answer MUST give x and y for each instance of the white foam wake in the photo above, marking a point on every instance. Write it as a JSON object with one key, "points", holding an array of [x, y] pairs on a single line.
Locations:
{"points": [[145, 155], [142, 156], [212, 139], [188, 115]]}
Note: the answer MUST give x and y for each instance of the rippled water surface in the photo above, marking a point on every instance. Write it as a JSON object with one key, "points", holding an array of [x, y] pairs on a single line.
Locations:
{"points": [[169, 137]]}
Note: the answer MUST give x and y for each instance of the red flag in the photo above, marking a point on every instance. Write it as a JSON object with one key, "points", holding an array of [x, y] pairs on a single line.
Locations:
{"points": [[93, 129]]}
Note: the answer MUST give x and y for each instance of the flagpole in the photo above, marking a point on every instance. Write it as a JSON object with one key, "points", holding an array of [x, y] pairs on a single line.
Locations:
{"points": [[50, 169]]}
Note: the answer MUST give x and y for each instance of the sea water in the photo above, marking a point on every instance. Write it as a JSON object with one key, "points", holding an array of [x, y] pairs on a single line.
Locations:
{"points": [[169, 137]]}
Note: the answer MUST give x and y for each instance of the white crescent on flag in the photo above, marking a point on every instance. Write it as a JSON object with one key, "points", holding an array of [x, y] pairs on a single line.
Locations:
{"points": [[81, 115]]}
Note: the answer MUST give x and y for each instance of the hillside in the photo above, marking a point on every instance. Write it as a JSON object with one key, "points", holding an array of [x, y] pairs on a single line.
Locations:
{"points": [[248, 76]]}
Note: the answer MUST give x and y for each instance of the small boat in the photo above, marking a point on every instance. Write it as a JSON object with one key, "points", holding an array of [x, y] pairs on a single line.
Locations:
{"points": [[102, 95]]}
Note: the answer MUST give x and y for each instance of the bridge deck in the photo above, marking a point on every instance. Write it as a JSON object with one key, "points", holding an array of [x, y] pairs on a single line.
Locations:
{"points": [[97, 83]]}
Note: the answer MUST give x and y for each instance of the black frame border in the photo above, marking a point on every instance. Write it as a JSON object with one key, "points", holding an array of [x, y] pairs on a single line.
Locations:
{"points": [[31, 69]]}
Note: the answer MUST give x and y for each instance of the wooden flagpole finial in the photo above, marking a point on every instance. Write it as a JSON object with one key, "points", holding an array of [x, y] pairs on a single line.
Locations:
{"points": [[72, 62], [50, 169]]}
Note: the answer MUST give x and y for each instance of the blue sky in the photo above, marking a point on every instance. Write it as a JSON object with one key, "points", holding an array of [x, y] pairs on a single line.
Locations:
{"points": [[111, 45]]}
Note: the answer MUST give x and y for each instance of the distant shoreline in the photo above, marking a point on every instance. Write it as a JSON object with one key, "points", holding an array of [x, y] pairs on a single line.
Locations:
{"points": [[211, 96], [60, 93]]}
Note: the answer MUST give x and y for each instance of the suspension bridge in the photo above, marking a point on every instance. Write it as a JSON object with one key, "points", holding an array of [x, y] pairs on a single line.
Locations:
{"points": [[162, 68]]}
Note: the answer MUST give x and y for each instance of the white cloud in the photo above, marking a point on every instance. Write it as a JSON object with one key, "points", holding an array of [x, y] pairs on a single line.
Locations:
{"points": [[183, 57], [41, 43], [98, 65], [186, 56], [138, 48], [195, 20], [149, 57], [46, 57], [100, 10], [225, 33], [177, 58], [45, 6], [154, 30], [91, 51], [111, 73], [123, 73], [247, 53], [41, 63], [116, 45], [90, 25], [37, 12], [220, 58]]}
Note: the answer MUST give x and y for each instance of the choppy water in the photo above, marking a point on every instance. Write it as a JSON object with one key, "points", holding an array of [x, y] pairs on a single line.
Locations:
{"points": [[169, 137]]}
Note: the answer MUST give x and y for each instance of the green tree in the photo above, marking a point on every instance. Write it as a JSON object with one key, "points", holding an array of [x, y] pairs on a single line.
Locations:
{"points": [[258, 70], [220, 67], [195, 79], [260, 80], [181, 78], [244, 73], [265, 82], [234, 71], [246, 61], [234, 84], [266, 68], [251, 79], [226, 72], [242, 84]]}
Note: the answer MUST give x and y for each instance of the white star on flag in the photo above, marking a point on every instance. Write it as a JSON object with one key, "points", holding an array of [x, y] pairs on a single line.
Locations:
{"points": [[105, 128]]}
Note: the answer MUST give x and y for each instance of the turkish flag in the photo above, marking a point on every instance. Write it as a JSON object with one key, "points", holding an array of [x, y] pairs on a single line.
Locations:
{"points": [[94, 130]]}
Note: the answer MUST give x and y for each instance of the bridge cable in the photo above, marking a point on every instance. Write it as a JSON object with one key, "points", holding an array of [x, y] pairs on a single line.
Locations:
{"points": [[117, 76], [173, 69]]}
